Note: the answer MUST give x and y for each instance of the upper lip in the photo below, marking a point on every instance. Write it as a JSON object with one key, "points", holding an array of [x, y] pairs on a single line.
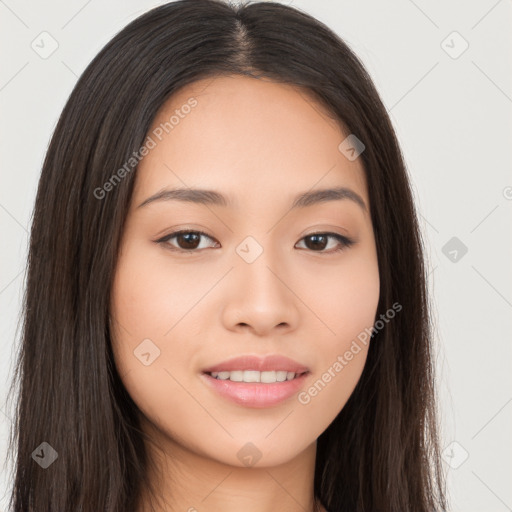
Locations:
{"points": [[262, 364]]}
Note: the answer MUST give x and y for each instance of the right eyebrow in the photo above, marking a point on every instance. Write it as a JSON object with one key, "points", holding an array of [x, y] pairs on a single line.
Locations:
{"points": [[192, 195]]}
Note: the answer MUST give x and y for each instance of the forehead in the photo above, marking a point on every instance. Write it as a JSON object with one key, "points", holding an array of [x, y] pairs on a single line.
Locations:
{"points": [[236, 133]]}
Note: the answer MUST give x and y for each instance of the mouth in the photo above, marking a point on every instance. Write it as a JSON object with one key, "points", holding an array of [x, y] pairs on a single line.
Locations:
{"points": [[255, 376], [255, 389], [256, 381]]}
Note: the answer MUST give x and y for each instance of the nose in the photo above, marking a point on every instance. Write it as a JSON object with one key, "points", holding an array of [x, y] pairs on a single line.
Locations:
{"points": [[261, 298]]}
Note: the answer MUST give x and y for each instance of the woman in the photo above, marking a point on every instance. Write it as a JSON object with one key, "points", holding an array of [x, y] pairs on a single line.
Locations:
{"points": [[226, 304]]}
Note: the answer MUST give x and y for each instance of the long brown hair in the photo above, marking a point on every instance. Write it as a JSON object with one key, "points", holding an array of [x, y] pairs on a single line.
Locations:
{"points": [[381, 452]]}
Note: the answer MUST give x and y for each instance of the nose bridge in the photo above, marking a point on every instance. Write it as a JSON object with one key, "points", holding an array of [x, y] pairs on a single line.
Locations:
{"points": [[262, 300], [259, 263]]}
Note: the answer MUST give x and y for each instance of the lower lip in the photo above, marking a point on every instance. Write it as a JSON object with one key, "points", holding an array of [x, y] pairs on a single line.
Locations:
{"points": [[256, 394]]}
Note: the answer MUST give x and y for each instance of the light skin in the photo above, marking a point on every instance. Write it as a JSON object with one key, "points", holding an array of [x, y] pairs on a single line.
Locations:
{"points": [[260, 144]]}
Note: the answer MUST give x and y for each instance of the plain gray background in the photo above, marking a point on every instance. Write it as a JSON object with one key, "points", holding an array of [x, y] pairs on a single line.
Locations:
{"points": [[451, 107]]}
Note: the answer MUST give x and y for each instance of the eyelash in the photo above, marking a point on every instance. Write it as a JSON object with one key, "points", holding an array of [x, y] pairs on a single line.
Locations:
{"points": [[345, 242]]}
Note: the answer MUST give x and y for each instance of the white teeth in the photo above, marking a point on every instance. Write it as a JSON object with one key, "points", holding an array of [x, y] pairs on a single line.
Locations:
{"points": [[281, 376], [237, 376], [254, 376], [268, 377], [251, 376]]}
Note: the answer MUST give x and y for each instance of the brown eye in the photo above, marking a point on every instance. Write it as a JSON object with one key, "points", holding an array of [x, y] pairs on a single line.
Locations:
{"points": [[317, 242], [186, 240]]}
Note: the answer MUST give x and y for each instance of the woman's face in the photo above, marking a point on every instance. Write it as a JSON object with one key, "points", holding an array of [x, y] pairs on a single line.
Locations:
{"points": [[258, 283]]}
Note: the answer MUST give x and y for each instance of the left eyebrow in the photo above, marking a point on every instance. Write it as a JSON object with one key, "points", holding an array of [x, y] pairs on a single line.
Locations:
{"points": [[212, 197], [328, 194]]}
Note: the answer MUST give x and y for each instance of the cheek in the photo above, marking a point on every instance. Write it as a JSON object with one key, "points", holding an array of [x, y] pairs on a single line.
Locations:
{"points": [[137, 314], [149, 295], [345, 297], [145, 305], [154, 312], [346, 301]]}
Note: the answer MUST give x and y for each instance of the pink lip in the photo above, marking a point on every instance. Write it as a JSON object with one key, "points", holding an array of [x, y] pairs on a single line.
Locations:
{"points": [[268, 363], [255, 394]]}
